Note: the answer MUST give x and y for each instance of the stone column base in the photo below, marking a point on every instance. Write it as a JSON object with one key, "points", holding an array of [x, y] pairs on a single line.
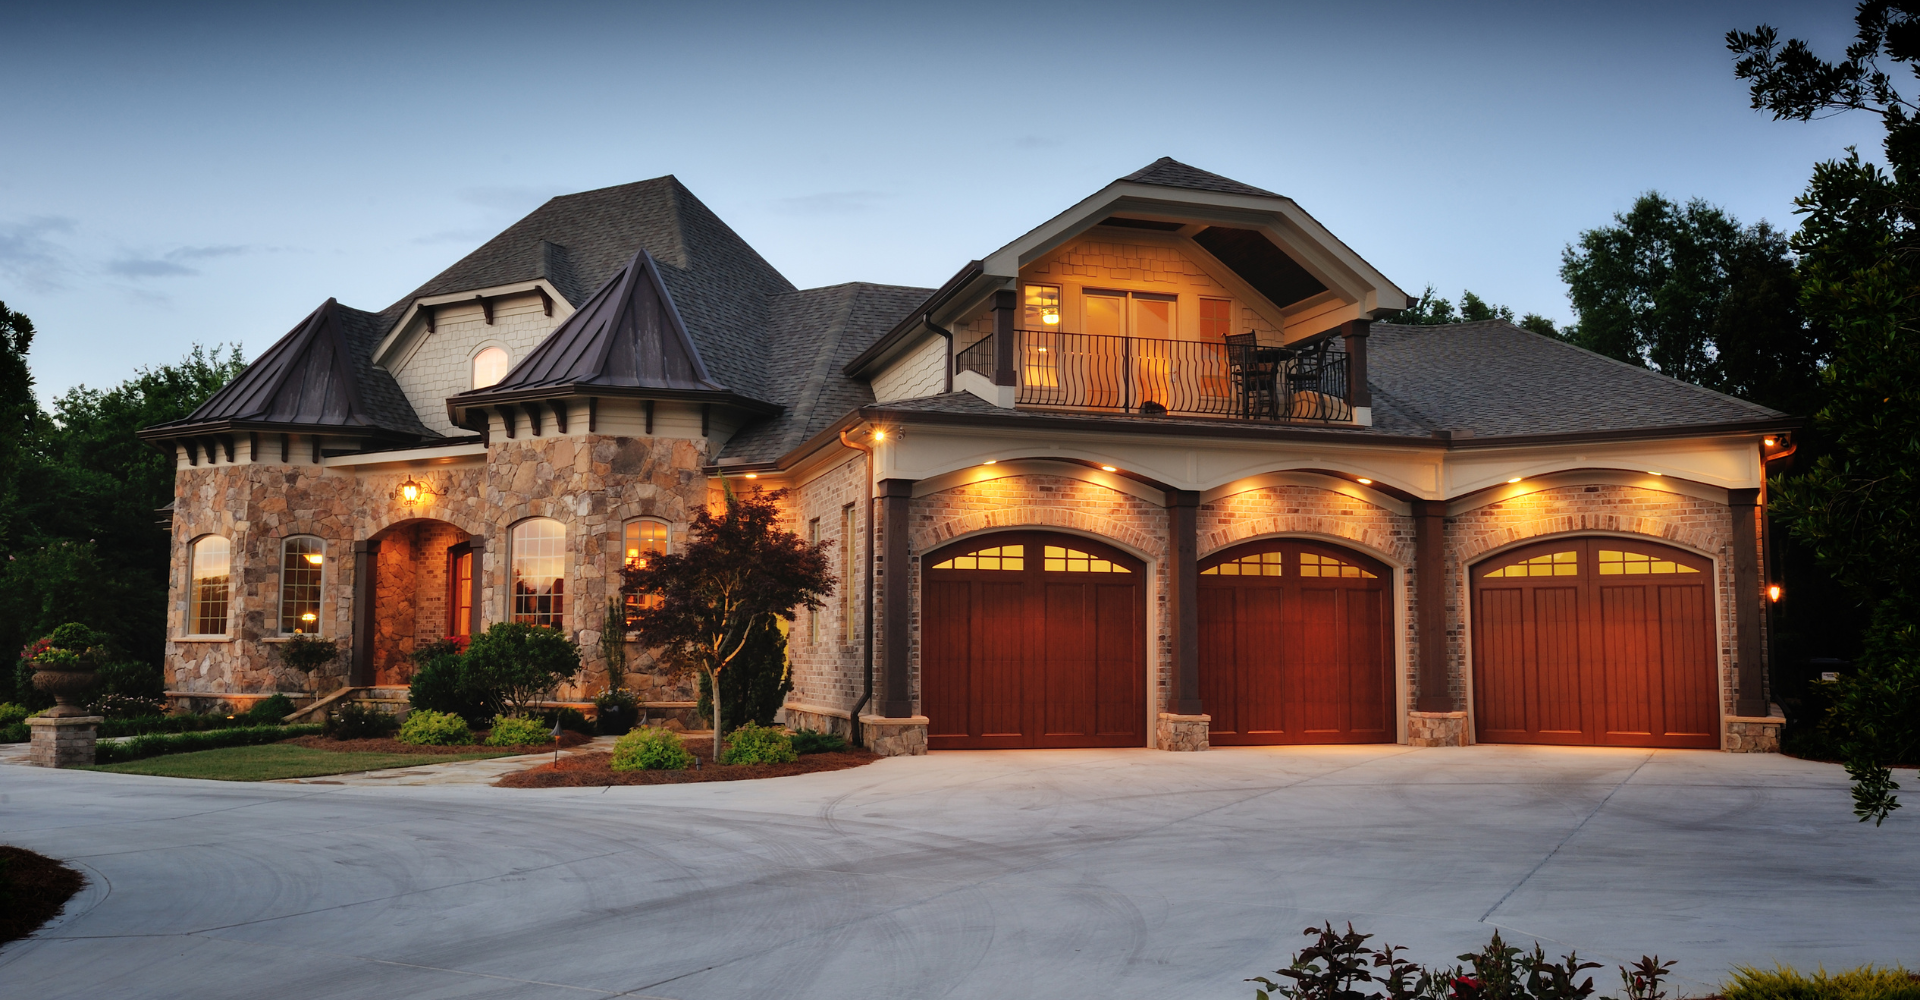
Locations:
{"points": [[1436, 729], [1753, 734], [66, 742], [1182, 733], [818, 718], [894, 737]]}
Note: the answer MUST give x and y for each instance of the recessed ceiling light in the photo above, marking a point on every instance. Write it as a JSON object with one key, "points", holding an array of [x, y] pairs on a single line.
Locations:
{"points": [[1364, 481], [1108, 468], [1515, 480], [879, 435], [990, 461], [1650, 472], [753, 475], [1769, 442]]}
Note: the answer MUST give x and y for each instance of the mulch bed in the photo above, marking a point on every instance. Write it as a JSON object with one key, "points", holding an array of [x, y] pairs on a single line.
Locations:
{"points": [[388, 745], [592, 770], [33, 888]]}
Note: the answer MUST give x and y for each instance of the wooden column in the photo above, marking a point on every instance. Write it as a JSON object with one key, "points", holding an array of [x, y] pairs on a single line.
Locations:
{"points": [[1003, 337], [1354, 333], [1434, 694], [1748, 661], [1183, 597], [477, 544], [366, 573], [896, 499]]}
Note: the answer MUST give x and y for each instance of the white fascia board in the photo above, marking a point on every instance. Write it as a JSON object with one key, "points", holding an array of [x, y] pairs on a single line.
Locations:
{"points": [[391, 342]]}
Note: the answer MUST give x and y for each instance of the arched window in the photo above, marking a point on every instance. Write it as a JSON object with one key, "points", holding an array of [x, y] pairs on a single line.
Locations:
{"points": [[539, 572], [212, 559], [302, 559], [644, 540], [489, 367]]}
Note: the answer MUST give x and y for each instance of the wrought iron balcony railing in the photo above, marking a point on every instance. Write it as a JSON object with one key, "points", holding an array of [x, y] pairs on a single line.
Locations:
{"points": [[1182, 377]]}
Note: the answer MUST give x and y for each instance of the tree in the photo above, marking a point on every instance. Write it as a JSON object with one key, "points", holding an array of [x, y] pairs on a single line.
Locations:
{"points": [[739, 569], [1431, 310], [756, 685], [1858, 507], [520, 664]]}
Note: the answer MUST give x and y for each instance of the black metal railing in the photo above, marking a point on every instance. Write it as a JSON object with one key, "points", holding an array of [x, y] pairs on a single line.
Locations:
{"points": [[1182, 377]]}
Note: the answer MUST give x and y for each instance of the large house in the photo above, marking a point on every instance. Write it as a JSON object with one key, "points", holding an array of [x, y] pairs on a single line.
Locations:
{"points": [[1151, 475]]}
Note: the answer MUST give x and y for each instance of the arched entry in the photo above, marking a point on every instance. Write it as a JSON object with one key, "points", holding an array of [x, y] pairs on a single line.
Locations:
{"points": [[1595, 641], [1033, 639], [1294, 645], [421, 584]]}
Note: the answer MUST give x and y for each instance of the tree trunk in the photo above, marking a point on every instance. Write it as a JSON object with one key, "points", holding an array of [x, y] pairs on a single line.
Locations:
{"points": [[713, 681]]}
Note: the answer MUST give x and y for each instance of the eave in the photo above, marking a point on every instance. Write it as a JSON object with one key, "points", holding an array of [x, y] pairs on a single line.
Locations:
{"points": [[483, 398]]}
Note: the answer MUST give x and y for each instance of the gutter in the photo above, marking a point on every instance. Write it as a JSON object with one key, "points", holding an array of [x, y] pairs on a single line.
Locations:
{"points": [[944, 332]]}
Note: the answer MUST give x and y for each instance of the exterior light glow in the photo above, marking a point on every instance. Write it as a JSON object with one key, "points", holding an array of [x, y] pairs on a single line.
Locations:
{"points": [[1773, 593], [1515, 480], [753, 475], [411, 493], [1364, 481], [1050, 318], [879, 435], [316, 558], [991, 461], [1108, 468], [1770, 442], [1650, 472]]}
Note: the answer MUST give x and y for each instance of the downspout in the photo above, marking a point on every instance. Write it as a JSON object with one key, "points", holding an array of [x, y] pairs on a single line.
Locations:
{"points": [[944, 332], [866, 692]]}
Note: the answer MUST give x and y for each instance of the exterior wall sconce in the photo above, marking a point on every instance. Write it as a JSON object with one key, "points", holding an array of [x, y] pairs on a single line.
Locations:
{"points": [[411, 493], [1773, 593]]}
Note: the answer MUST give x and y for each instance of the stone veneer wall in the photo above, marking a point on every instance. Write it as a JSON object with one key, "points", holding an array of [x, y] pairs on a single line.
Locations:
{"points": [[592, 484]]}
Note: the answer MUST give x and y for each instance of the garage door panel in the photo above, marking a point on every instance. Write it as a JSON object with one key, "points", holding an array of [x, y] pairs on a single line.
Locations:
{"points": [[1323, 674], [1627, 673], [1500, 661], [1369, 671], [1000, 670], [1262, 691], [1220, 617], [947, 669], [1689, 694], [1556, 705], [1120, 672]]}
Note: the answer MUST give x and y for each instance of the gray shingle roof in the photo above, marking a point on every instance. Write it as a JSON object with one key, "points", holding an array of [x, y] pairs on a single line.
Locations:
{"points": [[318, 375], [814, 334], [628, 335], [581, 241], [1169, 172]]}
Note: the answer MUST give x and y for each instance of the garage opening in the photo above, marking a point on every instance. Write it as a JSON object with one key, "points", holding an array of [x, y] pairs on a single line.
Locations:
{"points": [[1595, 641], [1033, 639], [1294, 645]]}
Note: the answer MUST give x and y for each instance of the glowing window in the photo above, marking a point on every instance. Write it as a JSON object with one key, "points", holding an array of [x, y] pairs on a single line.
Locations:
{"points": [[302, 559], [1064, 560], [1314, 564], [1041, 308], [1552, 564], [539, 572], [212, 557], [1000, 557], [460, 583], [489, 367], [1614, 562], [1258, 564], [643, 541]]}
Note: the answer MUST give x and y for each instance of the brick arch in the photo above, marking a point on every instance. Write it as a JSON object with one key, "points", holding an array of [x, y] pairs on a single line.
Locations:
{"points": [[1703, 540], [1366, 537], [1009, 518], [431, 515]]}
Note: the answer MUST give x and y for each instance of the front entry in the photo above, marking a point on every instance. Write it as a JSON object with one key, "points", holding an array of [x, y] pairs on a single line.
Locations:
{"points": [[1033, 639], [1595, 641], [1294, 645]]}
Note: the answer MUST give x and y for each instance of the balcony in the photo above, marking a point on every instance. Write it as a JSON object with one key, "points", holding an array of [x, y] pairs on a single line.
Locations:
{"points": [[1240, 380]]}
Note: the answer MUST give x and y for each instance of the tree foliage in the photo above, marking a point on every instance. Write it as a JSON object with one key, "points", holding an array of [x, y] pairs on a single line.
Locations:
{"points": [[520, 664], [739, 568], [1858, 507], [1432, 310]]}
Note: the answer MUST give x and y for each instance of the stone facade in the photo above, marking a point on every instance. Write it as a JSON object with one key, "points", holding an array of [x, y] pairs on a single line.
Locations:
{"points": [[1186, 733], [1437, 729], [894, 737], [63, 742], [1755, 735]]}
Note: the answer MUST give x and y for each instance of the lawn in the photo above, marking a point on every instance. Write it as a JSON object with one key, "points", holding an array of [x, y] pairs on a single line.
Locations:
{"points": [[276, 760]]}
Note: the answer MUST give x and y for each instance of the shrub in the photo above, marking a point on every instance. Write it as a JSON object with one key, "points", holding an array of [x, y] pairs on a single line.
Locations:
{"points": [[756, 744], [1782, 983], [509, 731], [147, 724], [141, 747], [11, 713], [521, 662], [444, 682], [435, 729], [16, 732], [1340, 966], [359, 722], [806, 741], [651, 749], [268, 711], [120, 706], [307, 653], [756, 683]]}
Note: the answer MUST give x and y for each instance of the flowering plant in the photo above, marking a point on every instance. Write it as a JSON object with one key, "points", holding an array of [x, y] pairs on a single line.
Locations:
{"points": [[72, 646]]}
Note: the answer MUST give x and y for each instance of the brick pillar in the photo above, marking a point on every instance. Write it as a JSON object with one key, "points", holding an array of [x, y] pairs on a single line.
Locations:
{"points": [[1183, 597], [366, 571], [1003, 337], [1749, 664], [63, 742], [1435, 692]]}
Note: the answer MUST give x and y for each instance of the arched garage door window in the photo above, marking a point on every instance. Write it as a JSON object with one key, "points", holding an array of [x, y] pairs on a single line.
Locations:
{"points": [[1033, 639], [1293, 645], [1589, 641]]}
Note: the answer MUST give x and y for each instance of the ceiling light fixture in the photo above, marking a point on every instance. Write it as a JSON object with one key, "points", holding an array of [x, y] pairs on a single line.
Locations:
{"points": [[1108, 468], [1650, 472], [753, 475], [1515, 479], [1364, 481], [879, 435], [991, 461]]}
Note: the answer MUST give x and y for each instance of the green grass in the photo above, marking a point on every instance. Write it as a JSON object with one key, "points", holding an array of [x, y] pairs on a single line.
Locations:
{"points": [[275, 760]]}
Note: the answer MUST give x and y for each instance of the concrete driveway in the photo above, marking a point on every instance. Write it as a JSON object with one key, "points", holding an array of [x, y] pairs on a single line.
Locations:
{"points": [[1098, 874]]}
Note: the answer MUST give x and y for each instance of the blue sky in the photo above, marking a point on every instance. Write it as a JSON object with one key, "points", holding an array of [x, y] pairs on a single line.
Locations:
{"points": [[180, 174]]}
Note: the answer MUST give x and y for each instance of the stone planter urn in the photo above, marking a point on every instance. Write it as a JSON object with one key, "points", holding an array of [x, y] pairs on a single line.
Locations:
{"points": [[66, 681]]}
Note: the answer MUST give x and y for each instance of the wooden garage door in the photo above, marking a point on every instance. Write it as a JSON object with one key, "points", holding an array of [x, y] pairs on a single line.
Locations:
{"points": [[1595, 641], [1294, 645], [1033, 639]]}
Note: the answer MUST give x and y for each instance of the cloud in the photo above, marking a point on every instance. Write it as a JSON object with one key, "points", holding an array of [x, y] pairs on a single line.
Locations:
{"points": [[830, 203], [29, 256], [148, 267], [202, 253]]}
